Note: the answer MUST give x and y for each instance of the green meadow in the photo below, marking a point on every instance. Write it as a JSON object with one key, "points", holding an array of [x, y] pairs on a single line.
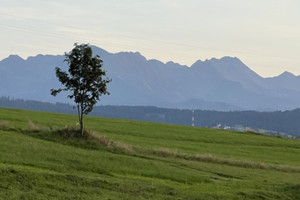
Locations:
{"points": [[122, 159]]}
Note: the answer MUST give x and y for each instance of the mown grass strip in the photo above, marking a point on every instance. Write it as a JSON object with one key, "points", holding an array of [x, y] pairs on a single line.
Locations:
{"points": [[225, 161]]}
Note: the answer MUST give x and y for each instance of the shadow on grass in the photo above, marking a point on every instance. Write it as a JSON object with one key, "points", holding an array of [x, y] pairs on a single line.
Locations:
{"points": [[70, 135], [293, 190], [88, 140]]}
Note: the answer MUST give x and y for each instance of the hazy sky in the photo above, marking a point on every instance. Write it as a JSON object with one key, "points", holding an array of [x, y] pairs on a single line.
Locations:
{"points": [[264, 34]]}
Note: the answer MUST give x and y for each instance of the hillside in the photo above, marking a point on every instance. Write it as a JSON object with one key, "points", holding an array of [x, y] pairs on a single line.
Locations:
{"points": [[137, 160], [223, 84]]}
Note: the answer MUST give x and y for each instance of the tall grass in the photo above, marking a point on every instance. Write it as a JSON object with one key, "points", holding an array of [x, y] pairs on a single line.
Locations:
{"points": [[33, 127], [3, 124]]}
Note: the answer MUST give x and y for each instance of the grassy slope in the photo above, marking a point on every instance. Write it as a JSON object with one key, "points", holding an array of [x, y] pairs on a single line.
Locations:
{"points": [[168, 162]]}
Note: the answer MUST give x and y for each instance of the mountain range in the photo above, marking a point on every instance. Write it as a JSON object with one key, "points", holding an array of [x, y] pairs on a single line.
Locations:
{"points": [[217, 84]]}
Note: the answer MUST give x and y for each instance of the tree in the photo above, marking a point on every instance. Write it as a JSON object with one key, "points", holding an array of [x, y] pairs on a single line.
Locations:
{"points": [[85, 79]]}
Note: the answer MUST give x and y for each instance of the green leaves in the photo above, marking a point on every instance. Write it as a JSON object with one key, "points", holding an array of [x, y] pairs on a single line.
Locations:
{"points": [[85, 78]]}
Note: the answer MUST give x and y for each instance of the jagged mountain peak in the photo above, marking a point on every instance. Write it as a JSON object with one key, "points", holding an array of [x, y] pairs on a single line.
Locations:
{"points": [[44, 57], [171, 63], [131, 56], [287, 74], [230, 68], [12, 59], [99, 51], [15, 57], [223, 62], [230, 58]]}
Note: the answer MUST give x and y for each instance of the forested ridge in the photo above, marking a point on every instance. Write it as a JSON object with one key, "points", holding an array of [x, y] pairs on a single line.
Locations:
{"points": [[287, 122]]}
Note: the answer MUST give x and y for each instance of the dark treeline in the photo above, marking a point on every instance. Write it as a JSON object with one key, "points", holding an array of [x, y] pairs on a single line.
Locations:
{"points": [[279, 121]]}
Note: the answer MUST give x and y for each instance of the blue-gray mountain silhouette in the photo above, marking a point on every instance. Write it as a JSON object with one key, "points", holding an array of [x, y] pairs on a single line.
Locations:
{"points": [[215, 84]]}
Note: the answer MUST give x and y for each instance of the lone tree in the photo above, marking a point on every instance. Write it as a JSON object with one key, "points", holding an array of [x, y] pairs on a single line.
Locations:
{"points": [[86, 79]]}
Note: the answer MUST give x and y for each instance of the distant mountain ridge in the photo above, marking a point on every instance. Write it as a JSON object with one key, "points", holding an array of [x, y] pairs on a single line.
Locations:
{"points": [[217, 84]]}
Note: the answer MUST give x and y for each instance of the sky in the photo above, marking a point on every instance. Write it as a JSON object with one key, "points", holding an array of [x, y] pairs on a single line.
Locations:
{"points": [[263, 34]]}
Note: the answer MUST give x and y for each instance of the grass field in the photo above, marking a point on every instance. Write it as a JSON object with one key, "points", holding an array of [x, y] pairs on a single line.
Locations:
{"points": [[137, 160]]}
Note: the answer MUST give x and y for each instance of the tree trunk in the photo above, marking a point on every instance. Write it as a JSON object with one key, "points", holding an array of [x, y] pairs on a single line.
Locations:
{"points": [[81, 125], [78, 112], [80, 117], [81, 120]]}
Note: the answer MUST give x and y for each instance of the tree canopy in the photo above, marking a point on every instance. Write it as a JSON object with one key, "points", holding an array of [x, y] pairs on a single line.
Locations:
{"points": [[85, 79]]}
